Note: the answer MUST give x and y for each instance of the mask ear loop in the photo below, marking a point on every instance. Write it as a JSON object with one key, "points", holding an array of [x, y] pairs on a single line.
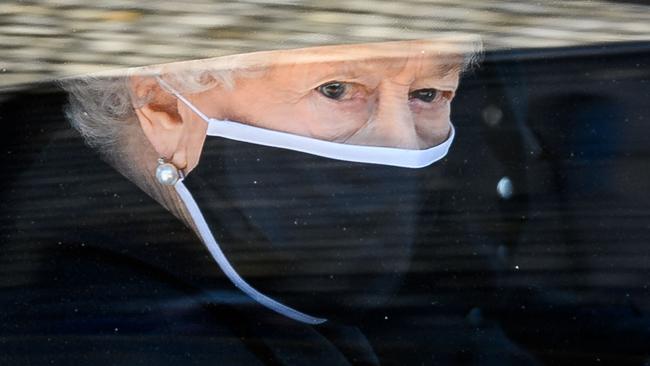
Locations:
{"points": [[180, 97], [213, 246], [218, 255]]}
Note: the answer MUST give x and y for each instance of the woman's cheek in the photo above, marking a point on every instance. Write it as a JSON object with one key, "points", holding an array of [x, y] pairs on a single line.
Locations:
{"points": [[337, 120], [432, 124], [430, 113]]}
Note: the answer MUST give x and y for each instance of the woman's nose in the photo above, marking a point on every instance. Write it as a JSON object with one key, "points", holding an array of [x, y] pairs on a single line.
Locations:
{"points": [[392, 119]]}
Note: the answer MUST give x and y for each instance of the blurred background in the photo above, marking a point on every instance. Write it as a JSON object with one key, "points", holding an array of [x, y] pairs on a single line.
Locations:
{"points": [[41, 39]]}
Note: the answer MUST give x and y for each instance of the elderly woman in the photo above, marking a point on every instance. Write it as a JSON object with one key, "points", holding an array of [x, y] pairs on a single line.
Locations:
{"points": [[312, 178], [302, 171]]}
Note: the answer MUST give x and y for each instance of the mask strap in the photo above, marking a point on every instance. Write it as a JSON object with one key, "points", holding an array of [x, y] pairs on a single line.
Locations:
{"points": [[178, 95], [213, 246], [218, 255]]}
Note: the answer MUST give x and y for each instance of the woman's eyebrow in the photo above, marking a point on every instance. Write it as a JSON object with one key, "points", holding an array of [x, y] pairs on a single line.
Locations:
{"points": [[445, 69], [340, 70], [353, 68], [373, 69], [441, 65]]}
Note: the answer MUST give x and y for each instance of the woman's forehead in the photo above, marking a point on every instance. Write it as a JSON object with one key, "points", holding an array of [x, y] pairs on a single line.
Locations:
{"points": [[439, 52]]}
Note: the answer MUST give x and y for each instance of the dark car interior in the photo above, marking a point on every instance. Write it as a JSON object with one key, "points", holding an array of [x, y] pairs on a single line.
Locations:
{"points": [[540, 253]]}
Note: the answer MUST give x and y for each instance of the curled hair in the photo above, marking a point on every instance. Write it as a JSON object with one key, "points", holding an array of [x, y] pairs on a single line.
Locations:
{"points": [[473, 56], [100, 107]]}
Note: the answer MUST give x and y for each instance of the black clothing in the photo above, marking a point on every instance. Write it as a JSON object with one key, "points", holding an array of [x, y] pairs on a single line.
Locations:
{"points": [[92, 271], [95, 272]]}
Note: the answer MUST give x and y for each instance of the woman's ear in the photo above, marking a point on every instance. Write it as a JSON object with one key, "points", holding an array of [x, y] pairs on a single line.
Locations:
{"points": [[157, 112]]}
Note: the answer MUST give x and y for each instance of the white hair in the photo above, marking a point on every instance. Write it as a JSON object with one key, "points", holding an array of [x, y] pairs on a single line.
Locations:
{"points": [[100, 107]]}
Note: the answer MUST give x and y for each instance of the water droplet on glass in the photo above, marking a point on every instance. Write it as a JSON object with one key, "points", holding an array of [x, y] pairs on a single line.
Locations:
{"points": [[505, 188]]}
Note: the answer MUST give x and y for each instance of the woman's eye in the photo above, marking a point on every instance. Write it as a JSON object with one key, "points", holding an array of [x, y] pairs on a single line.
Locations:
{"points": [[333, 90], [425, 95]]}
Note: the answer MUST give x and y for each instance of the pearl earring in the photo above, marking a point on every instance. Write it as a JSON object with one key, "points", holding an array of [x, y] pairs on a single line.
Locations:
{"points": [[167, 174]]}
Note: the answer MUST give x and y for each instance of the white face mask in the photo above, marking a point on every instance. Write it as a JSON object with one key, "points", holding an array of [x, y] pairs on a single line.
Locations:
{"points": [[387, 156], [405, 158]]}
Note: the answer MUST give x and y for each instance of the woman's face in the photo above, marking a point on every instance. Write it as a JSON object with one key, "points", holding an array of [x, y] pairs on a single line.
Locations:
{"points": [[391, 94]]}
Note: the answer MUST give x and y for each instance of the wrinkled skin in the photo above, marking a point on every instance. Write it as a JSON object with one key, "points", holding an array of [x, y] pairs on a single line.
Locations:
{"points": [[386, 94]]}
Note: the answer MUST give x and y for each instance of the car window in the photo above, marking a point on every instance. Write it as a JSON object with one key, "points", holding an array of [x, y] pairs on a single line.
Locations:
{"points": [[338, 183]]}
